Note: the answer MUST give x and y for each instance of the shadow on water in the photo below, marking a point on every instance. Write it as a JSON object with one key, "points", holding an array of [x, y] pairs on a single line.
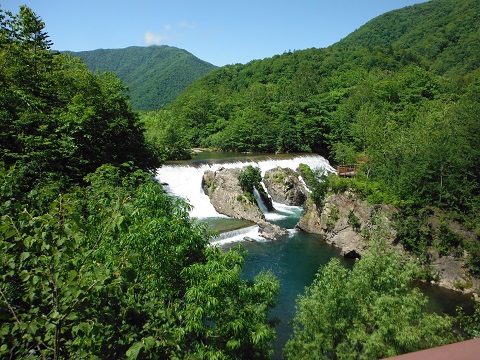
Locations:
{"points": [[441, 300]]}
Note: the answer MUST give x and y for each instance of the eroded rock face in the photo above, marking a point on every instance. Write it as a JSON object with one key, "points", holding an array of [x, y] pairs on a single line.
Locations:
{"points": [[452, 274], [284, 186], [345, 220], [227, 197], [310, 219]]}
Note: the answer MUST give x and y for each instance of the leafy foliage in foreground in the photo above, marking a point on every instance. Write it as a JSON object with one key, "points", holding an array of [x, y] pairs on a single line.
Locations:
{"points": [[96, 260], [369, 312], [120, 270]]}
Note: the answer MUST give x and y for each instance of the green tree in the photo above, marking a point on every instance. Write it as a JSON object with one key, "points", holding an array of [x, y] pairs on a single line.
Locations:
{"points": [[120, 270], [250, 179], [369, 312], [59, 120], [470, 323]]}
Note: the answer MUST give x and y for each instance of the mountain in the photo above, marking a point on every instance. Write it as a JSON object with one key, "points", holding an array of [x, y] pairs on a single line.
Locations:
{"points": [[290, 102], [155, 75], [403, 90], [444, 32]]}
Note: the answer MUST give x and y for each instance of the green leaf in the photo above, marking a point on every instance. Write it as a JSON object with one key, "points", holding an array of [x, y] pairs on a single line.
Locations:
{"points": [[134, 350], [72, 316], [72, 275], [32, 328], [9, 233]]}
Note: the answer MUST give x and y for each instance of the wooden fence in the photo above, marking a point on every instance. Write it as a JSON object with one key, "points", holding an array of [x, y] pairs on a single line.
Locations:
{"points": [[351, 170], [347, 170]]}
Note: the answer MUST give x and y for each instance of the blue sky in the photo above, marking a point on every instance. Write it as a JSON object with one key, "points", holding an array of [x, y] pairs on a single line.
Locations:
{"points": [[216, 31]]}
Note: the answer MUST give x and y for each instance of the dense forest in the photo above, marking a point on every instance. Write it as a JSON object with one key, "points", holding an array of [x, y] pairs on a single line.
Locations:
{"points": [[98, 261], [155, 75], [403, 91]]}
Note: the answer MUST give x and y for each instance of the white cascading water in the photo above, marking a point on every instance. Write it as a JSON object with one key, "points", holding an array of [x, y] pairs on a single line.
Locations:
{"points": [[185, 181], [238, 235]]}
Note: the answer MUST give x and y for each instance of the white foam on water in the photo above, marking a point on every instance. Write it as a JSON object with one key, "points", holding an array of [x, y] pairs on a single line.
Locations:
{"points": [[238, 235]]}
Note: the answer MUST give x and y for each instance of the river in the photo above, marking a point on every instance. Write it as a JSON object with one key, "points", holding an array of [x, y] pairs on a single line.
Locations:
{"points": [[294, 258]]}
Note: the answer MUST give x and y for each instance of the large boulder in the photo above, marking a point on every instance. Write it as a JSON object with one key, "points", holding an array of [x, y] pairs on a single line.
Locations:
{"points": [[227, 197], [270, 231], [284, 186]]}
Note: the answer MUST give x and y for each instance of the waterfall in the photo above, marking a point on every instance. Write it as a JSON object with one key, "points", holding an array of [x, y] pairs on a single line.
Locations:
{"points": [[184, 179], [238, 235], [261, 204]]}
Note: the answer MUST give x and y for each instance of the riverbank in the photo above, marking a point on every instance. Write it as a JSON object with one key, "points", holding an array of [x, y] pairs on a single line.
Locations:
{"points": [[345, 221], [295, 257]]}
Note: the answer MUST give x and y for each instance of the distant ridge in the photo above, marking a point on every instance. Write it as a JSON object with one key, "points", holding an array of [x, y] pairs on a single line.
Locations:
{"points": [[291, 102], [446, 33], [155, 75]]}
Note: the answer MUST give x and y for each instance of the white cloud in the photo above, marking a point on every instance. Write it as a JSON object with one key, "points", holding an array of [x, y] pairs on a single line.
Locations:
{"points": [[151, 38], [186, 24], [168, 32]]}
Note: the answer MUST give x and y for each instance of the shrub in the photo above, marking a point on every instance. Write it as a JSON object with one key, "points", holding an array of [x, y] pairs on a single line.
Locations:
{"points": [[317, 181], [450, 241], [353, 221], [249, 178]]}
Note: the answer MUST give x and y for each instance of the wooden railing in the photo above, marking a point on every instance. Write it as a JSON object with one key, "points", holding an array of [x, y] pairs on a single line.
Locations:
{"points": [[465, 350], [351, 170], [347, 170]]}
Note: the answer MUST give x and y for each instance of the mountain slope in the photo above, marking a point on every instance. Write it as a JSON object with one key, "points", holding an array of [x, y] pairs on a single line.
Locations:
{"points": [[444, 32], [295, 95], [412, 111], [155, 75]]}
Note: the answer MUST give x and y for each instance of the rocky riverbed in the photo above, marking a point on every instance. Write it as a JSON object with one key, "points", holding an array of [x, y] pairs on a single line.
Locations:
{"points": [[346, 221]]}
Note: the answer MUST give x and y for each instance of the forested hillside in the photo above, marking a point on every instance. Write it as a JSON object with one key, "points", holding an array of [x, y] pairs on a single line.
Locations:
{"points": [[96, 260], [155, 75], [444, 34], [403, 91]]}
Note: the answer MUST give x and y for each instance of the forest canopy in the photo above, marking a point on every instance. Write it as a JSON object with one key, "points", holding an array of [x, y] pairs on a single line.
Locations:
{"points": [[154, 75]]}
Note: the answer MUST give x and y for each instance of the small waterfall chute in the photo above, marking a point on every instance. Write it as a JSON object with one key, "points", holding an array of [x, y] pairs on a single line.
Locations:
{"points": [[261, 204], [238, 235]]}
